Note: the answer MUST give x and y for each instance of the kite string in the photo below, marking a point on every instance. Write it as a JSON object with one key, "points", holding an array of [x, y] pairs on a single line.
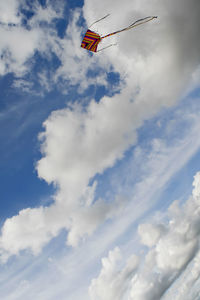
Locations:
{"points": [[140, 22], [143, 20], [106, 47], [99, 20]]}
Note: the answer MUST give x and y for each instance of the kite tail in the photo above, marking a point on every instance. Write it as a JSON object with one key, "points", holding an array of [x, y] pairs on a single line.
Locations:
{"points": [[136, 23], [99, 20], [106, 47]]}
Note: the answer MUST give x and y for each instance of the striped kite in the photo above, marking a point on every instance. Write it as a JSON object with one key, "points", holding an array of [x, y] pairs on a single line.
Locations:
{"points": [[92, 39]]}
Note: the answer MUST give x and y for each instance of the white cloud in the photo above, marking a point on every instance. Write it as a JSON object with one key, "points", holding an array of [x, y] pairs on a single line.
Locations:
{"points": [[17, 46], [18, 42], [47, 14], [9, 12], [150, 233], [186, 286], [171, 247], [110, 283]]}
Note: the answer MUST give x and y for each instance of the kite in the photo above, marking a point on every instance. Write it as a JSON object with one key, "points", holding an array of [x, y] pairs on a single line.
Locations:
{"points": [[92, 39]]}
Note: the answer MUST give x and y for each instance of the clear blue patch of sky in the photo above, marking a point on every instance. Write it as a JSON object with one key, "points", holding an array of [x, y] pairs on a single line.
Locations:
{"points": [[75, 3], [195, 93]]}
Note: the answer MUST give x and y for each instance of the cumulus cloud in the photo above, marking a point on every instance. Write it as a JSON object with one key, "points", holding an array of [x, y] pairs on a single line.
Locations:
{"points": [[150, 234], [33, 228], [110, 283], [172, 251]]}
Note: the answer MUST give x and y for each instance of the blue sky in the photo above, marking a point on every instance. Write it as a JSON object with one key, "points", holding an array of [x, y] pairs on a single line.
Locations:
{"points": [[99, 153]]}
